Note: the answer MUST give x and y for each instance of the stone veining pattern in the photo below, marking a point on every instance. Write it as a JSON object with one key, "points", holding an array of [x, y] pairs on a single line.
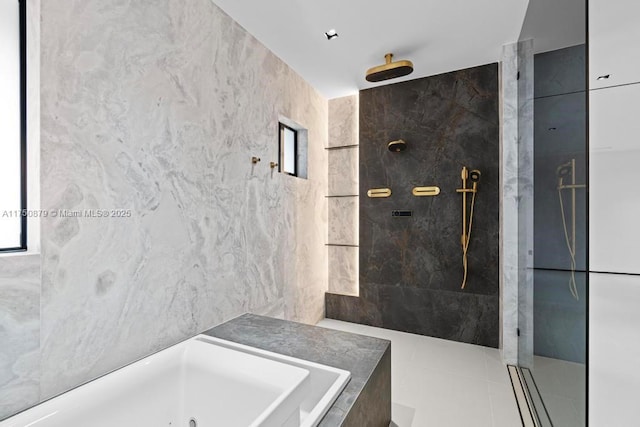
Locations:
{"points": [[411, 267], [343, 121], [525, 202], [343, 172], [509, 204], [19, 332], [365, 357], [343, 182], [343, 224], [155, 109]]}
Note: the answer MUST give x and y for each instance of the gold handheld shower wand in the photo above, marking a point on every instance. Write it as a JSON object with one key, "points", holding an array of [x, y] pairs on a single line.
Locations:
{"points": [[474, 177], [563, 170]]}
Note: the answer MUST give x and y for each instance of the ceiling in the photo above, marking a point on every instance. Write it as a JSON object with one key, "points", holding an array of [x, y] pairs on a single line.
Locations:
{"points": [[437, 35], [555, 24]]}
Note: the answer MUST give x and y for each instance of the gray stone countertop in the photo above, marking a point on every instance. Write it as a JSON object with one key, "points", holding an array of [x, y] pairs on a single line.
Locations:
{"points": [[357, 354]]}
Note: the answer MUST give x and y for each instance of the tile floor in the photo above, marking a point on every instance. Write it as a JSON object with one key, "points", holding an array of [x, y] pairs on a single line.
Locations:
{"points": [[443, 383], [562, 387]]}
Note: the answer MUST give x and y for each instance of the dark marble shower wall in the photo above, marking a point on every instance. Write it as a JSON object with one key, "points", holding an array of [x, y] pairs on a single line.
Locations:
{"points": [[411, 267]]}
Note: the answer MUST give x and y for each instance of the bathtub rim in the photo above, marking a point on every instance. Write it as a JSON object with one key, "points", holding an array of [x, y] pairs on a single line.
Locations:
{"points": [[318, 412]]}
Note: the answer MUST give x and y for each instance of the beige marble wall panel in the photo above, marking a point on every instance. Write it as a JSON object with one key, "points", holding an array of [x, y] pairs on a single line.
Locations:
{"points": [[343, 181], [156, 108], [343, 172], [343, 272], [343, 220], [343, 121]]}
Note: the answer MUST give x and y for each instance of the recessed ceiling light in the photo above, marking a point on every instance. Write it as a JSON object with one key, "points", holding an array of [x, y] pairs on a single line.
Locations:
{"points": [[605, 77], [331, 34]]}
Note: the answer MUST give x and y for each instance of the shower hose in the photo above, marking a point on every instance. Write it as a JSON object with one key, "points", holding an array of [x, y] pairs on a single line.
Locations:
{"points": [[465, 244], [572, 253]]}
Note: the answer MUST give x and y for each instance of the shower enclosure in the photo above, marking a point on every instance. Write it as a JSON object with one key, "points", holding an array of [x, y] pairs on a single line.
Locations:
{"points": [[553, 284]]}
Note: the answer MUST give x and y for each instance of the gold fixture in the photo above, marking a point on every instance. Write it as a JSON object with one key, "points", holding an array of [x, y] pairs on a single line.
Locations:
{"points": [[389, 70], [474, 176], [273, 165], [563, 170], [375, 193], [397, 146], [255, 160], [426, 191]]}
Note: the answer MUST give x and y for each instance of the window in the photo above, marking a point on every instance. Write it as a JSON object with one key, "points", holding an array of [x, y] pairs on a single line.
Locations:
{"points": [[288, 150], [293, 140], [13, 86]]}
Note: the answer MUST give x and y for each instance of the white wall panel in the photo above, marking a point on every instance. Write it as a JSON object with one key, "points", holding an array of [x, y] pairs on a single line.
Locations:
{"points": [[614, 33], [614, 349], [614, 176]]}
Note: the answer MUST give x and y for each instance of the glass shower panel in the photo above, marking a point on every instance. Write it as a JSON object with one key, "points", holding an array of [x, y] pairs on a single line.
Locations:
{"points": [[553, 290]]}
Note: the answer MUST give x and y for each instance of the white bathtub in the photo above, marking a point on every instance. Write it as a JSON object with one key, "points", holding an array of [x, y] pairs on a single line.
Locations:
{"points": [[201, 382]]}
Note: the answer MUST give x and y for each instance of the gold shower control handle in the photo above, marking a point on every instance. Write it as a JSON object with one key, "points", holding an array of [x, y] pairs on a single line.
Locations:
{"points": [[571, 186], [426, 191], [379, 192]]}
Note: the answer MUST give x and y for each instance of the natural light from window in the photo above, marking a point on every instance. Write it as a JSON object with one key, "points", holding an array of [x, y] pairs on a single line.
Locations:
{"points": [[10, 145], [288, 150]]}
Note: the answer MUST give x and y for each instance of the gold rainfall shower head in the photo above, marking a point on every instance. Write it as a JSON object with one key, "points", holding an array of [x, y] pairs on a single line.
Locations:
{"points": [[389, 70]]}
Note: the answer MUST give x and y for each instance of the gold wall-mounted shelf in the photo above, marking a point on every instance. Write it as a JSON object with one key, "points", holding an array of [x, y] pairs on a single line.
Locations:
{"points": [[379, 192], [426, 191]]}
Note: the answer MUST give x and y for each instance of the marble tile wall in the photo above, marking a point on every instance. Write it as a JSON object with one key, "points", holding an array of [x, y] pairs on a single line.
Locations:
{"points": [[342, 195], [152, 111], [343, 171], [411, 268], [509, 204], [343, 226], [343, 120], [525, 202], [343, 270], [19, 332]]}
